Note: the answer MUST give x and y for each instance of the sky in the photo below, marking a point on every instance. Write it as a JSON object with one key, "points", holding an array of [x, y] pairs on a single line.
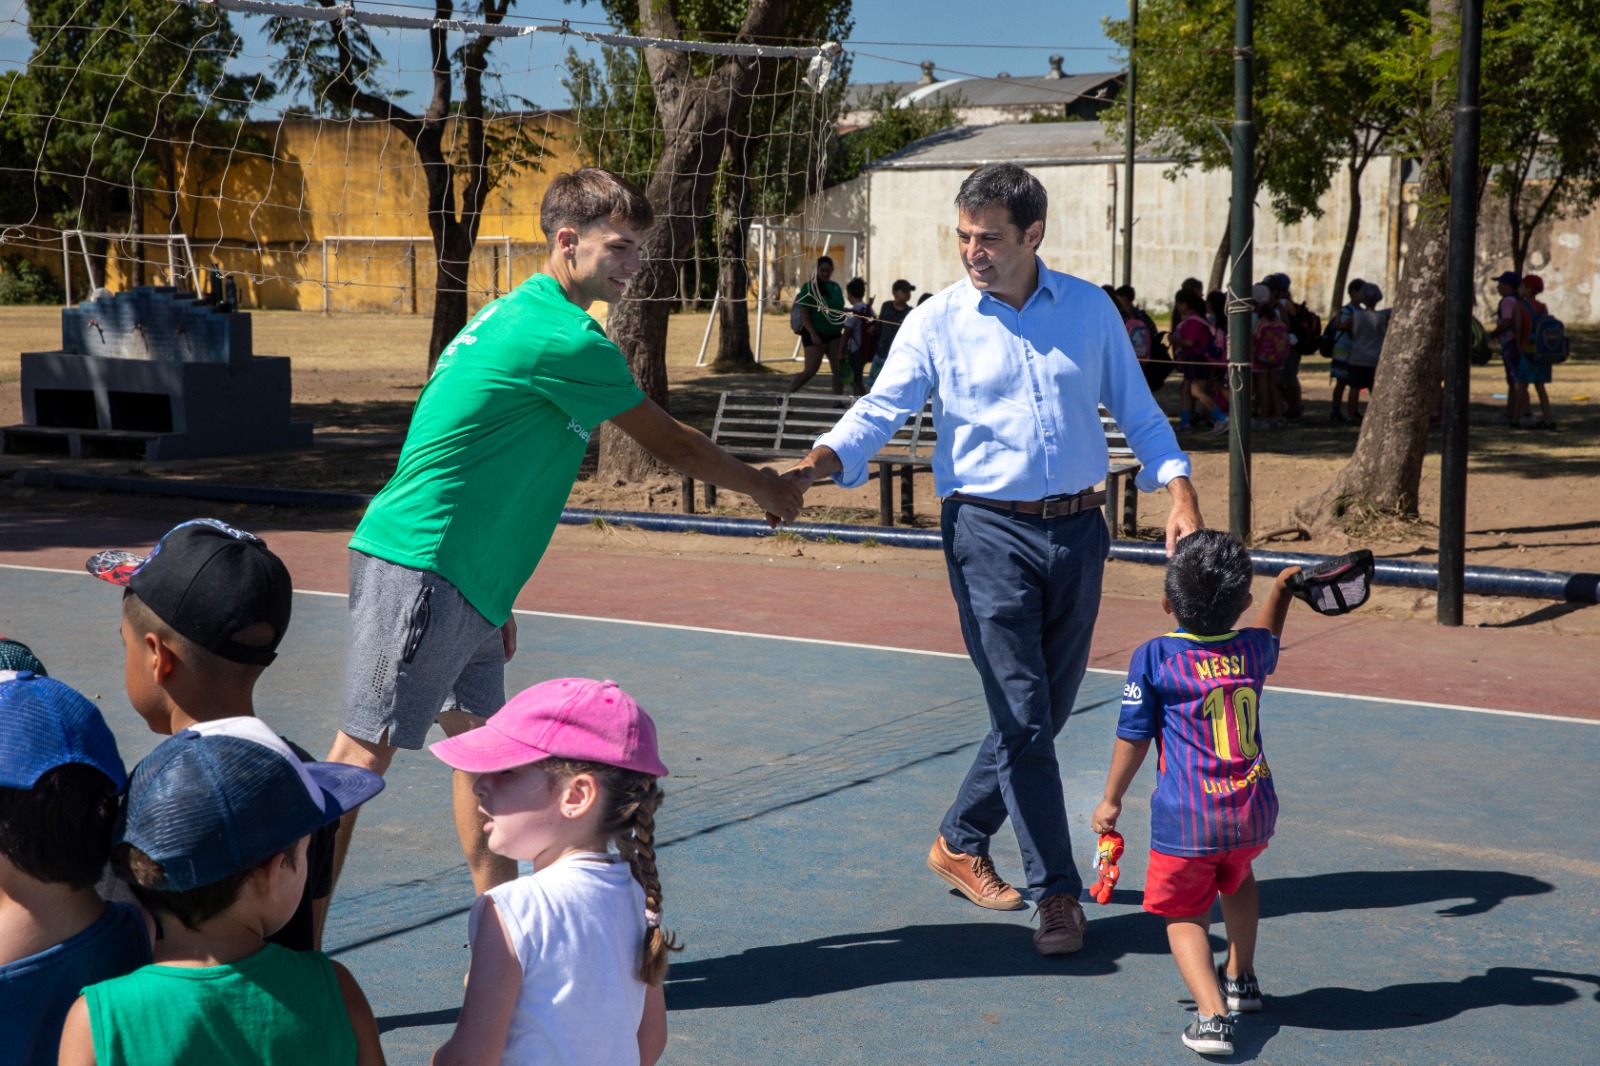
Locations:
{"points": [[891, 39]]}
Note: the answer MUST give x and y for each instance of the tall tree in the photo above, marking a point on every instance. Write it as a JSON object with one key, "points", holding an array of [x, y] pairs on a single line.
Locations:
{"points": [[1384, 473], [120, 98], [457, 143], [1542, 116], [771, 159], [700, 102], [1313, 105]]}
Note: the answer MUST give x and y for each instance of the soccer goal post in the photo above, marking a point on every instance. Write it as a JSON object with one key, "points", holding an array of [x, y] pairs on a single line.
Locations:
{"points": [[182, 271]]}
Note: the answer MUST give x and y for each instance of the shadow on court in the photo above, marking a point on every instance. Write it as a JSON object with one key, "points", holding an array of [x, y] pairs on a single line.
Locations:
{"points": [[943, 952], [1403, 1006]]}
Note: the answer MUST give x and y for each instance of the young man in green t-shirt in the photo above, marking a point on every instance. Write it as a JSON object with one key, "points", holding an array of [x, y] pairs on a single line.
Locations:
{"points": [[490, 458]]}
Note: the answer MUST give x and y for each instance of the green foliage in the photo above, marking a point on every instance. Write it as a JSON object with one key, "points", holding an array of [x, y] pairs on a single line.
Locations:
{"points": [[1540, 138], [22, 282], [615, 106], [893, 126], [1314, 87], [615, 109], [119, 94]]}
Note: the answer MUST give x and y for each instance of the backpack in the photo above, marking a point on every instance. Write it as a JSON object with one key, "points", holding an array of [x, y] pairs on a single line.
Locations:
{"points": [[1307, 331], [1271, 342], [1217, 350], [1479, 351], [1139, 337], [1548, 341]]}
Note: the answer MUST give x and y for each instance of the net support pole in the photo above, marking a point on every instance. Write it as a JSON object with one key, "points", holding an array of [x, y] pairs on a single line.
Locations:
{"points": [[327, 300], [758, 231], [1458, 334], [1127, 151], [66, 267], [1241, 225], [711, 320]]}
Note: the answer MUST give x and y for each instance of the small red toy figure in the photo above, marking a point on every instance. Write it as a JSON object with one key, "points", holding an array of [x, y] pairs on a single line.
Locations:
{"points": [[1105, 860]]}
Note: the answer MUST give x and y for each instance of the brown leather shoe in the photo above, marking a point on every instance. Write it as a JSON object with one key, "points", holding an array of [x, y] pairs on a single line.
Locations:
{"points": [[973, 876], [1061, 924]]}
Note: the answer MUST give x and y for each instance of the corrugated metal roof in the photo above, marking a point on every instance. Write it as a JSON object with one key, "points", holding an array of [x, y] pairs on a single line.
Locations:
{"points": [[1026, 143], [1040, 91]]}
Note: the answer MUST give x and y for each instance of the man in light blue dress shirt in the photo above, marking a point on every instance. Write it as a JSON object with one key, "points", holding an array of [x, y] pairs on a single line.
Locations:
{"points": [[1018, 359]]}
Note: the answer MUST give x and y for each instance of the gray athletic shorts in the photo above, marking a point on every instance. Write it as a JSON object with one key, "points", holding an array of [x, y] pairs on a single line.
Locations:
{"points": [[417, 648]]}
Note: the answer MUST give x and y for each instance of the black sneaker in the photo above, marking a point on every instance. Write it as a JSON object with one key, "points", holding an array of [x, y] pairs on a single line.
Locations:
{"points": [[1240, 993], [1209, 1035]]}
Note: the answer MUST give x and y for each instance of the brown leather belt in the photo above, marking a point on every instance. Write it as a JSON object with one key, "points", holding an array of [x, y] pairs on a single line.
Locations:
{"points": [[1050, 507]]}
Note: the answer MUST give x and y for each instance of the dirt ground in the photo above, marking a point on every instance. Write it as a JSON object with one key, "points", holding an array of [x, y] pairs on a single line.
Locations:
{"points": [[1532, 500]]}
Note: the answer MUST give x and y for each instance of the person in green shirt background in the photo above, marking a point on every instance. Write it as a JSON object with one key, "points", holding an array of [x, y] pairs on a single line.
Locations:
{"points": [[821, 326], [493, 450]]}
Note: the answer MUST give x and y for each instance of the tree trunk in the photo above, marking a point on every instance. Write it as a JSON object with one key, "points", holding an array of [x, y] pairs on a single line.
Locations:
{"points": [[696, 114], [1352, 230], [1384, 473], [733, 275], [1219, 262]]}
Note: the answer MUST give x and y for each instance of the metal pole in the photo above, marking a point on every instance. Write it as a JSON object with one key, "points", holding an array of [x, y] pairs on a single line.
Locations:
{"points": [[1458, 331], [66, 268], [1127, 152], [759, 231], [1241, 227]]}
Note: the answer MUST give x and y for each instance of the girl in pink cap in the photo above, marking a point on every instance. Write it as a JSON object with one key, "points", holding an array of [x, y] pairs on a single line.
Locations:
{"points": [[567, 963]]}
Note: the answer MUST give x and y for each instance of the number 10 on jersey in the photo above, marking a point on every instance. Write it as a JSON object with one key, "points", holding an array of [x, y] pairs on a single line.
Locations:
{"points": [[1240, 704]]}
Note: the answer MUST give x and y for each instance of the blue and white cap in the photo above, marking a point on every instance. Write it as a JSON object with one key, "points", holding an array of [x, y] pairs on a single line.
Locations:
{"points": [[226, 795]]}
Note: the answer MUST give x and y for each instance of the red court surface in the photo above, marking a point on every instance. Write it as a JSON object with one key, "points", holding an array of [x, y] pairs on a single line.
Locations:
{"points": [[1500, 669]]}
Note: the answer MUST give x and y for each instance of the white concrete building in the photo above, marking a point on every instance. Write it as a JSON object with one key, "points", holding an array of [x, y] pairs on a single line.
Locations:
{"points": [[904, 206]]}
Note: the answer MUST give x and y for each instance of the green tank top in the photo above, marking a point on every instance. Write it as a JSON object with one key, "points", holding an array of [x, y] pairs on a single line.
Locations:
{"points": [[276, 1006]]}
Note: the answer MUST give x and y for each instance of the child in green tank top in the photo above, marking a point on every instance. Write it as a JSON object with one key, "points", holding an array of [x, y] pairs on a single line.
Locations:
{"points": [[214, 845]]}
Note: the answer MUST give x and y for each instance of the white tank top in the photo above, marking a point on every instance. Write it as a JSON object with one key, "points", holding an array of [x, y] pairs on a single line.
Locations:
{"points": [[578, 930]]}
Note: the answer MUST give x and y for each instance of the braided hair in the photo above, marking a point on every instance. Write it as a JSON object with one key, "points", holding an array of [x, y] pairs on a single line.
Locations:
{"points": [[629, 800]]}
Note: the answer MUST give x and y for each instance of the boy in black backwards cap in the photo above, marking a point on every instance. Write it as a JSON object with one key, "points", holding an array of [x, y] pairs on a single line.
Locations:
{"points": [[202, 617]]}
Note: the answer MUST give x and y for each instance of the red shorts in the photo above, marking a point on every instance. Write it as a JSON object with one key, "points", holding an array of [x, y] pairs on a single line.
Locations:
{"points": [[1178, 886]]}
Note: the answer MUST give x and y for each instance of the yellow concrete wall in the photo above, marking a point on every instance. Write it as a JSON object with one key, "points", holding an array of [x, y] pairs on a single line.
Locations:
{"points": [[264, 214]]}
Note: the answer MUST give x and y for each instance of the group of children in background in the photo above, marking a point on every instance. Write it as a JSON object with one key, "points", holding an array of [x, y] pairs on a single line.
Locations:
{"points": [[219, 839], [1284, 330]]}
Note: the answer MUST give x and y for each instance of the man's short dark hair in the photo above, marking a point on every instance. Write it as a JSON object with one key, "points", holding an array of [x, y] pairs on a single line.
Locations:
{"points": [[1355, 287], [856, 287], [1208, 582], [824, 259], [1009, 185], [589, 195], [59, 831]]}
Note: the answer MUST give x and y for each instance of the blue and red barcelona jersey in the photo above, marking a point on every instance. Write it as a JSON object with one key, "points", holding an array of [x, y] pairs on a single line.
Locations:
{"points": [[1198, 698]]}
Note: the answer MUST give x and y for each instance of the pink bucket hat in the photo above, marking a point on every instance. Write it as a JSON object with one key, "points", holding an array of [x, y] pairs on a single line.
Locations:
{"points": [[568, 718]]}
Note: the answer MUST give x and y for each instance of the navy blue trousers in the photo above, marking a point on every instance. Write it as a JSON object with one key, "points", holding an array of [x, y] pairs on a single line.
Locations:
{"points": [[1028, 591]]}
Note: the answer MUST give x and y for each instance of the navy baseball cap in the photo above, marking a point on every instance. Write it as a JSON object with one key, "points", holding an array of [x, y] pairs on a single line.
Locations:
{"points": [[208, 580], [1510, 277], [45, 724], [224, 796], [15, 655]]}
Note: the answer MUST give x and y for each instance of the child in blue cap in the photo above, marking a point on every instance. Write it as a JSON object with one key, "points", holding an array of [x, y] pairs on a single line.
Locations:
{"points": [[60, 776], [213, 842]]}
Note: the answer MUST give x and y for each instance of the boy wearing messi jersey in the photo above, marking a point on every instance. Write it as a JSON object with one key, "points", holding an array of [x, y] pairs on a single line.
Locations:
{"points": [[1197, 692]]}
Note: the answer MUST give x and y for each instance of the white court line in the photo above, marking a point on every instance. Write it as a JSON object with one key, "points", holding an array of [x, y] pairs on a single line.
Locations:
{"points": [[935, 654]]}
